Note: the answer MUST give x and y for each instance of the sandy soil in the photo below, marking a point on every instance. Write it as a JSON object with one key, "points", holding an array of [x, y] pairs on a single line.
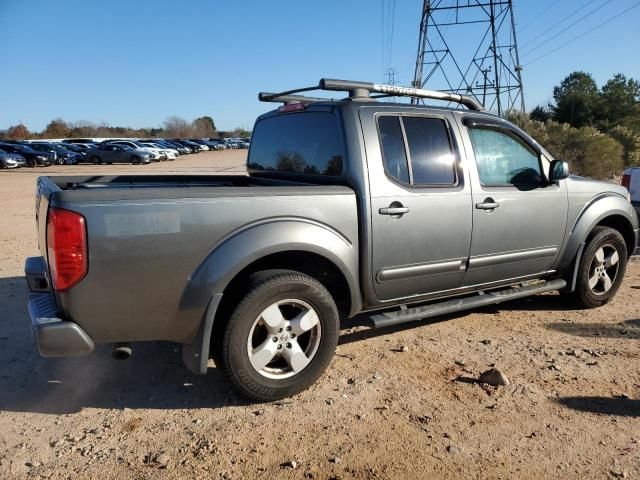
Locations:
{"points": [[572, 409]]}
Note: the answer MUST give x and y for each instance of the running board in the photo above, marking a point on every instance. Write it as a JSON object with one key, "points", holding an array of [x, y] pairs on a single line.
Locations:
{"points": [[451, 306]]}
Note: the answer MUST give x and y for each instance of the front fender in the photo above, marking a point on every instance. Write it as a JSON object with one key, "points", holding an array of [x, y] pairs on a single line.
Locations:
{"points": [[593, 213]]}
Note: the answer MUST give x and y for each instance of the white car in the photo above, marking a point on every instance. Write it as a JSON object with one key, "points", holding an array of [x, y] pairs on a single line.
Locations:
{"points": [[168, 153], [156, 153]]}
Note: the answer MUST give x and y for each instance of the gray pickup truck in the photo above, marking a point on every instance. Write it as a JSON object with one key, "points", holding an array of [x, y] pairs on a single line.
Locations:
{"points": [[399, 210]]}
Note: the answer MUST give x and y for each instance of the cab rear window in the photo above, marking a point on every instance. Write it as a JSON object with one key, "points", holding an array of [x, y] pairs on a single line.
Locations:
{"points": [[302, 143]]}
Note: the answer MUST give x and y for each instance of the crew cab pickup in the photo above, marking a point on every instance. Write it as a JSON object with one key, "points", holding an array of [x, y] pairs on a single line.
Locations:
{"points": [[402, 211]]}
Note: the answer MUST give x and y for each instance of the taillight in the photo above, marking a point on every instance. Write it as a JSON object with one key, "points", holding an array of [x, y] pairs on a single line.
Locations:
{"points": [[626, 180], [291, 107], [66, 248]]}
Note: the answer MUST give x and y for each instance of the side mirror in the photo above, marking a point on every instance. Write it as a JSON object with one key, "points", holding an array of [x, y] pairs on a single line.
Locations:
{"points": [[558, 170]]}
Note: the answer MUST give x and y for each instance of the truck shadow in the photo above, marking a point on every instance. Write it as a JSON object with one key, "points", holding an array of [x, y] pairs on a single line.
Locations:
{"points": [[625, 407], [629, 329], [153, 378]]}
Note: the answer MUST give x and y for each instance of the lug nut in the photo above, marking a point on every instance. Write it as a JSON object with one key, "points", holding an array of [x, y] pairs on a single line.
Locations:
{"points": [[293, 335], [275, 339], [288, 328], [279, 347], [288, 345], [280, 330]]}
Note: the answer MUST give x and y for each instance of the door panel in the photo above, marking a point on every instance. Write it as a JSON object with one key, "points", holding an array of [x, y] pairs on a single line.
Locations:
{"points": [[420, 234], [519, 220]]}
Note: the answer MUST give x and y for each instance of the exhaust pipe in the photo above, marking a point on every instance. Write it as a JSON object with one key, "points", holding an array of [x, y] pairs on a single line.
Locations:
{"points": [[122, 351]]}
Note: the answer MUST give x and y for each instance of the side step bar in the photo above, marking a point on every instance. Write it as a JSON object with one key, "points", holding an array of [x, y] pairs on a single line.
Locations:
{"points": [[451, 306]]}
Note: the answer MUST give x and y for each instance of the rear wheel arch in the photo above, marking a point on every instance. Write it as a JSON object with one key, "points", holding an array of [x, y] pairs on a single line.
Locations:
{"points": [[264, 246], [308, 263]]}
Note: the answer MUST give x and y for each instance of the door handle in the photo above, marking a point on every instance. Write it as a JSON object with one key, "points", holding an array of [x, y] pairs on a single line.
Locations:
{"points": [[487, 204], [393, 210]]}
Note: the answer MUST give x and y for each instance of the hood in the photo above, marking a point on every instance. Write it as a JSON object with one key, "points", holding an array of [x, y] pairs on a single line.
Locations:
{"points": [[579, 184]]}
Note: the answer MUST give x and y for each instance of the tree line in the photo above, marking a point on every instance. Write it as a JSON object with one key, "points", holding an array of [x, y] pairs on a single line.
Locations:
{"points": [[596, 130], [172, 127]]}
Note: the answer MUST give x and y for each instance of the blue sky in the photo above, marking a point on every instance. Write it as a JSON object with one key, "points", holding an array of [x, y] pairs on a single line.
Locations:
{"points": [[134, 63]]}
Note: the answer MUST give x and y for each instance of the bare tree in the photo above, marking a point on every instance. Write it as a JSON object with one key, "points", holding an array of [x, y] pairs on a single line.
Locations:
{"points": [[177, 127]]}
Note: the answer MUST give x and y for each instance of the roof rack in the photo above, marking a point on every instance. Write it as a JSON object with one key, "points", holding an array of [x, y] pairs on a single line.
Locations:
{"points": [[362, 91]]}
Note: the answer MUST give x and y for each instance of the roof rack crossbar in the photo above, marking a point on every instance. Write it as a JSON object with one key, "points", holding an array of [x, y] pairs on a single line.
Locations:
{"points": [[287, 99], [362, 90]]}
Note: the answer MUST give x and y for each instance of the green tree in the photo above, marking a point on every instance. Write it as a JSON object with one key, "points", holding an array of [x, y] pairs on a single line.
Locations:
{"points": [[630, 141], [56, 128], [619, 100], [576, 100], [204, 127], [540, 113]]}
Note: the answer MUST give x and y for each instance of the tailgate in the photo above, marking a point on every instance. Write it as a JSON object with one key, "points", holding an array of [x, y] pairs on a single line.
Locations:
{"points": [[44, 189]]}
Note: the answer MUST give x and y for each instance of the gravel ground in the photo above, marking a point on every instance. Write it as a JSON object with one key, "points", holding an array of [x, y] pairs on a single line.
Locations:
{"points": [[395, 403]]}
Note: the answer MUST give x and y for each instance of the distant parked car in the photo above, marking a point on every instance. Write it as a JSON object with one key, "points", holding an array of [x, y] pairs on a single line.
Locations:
{"points": [[169, 154], [80, 140], [219, 143], [62, 155], [183, 149], [32, 157], [202, 143], [155, 154], [631, 181], [195, 147], [159, 143], [77, 148], [11, 160], [212, 145], [114, 153]]}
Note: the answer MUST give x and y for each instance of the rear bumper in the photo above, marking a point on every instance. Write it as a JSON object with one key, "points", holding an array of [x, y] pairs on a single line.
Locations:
{"points": [[55, 337]]}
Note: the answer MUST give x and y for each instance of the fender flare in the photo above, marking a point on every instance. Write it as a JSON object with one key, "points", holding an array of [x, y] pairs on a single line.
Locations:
{"points": [[593, 213], [243, 247]]}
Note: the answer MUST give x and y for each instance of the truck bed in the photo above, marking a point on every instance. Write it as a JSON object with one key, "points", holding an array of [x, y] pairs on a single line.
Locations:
{"points": [[149, 237]]}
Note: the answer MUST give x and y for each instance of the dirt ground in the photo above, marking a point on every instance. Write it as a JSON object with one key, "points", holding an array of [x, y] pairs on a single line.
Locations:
{"points": [[572, 409]]}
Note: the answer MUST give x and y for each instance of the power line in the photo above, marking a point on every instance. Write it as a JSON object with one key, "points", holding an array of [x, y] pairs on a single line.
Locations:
{"points": [[545, 10], [558, 23], [584, 33], [568, 27], [382, 33], [393, 21]]}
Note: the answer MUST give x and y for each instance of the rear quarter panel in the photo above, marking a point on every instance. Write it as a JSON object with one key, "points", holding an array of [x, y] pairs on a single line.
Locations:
{"points": [[151, 272]]}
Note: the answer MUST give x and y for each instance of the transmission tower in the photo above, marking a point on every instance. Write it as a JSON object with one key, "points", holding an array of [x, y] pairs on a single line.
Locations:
{"points": [[492, 74]]}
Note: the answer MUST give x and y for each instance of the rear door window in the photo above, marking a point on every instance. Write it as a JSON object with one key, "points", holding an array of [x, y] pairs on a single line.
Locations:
{"points": [[393, 151], [417, 150], [432, 159]]}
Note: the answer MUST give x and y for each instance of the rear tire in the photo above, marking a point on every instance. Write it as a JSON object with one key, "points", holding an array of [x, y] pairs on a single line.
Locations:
{"points": [[281, 336], [601, 269]]}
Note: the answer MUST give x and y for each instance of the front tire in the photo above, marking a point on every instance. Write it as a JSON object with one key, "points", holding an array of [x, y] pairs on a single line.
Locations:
{"points": [[96, 160], [281, 336], [601, 268]]}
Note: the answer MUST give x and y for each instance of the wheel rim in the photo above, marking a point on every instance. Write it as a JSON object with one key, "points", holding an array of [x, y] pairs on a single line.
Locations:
{"points": [[604, 269], [284, 339]]}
